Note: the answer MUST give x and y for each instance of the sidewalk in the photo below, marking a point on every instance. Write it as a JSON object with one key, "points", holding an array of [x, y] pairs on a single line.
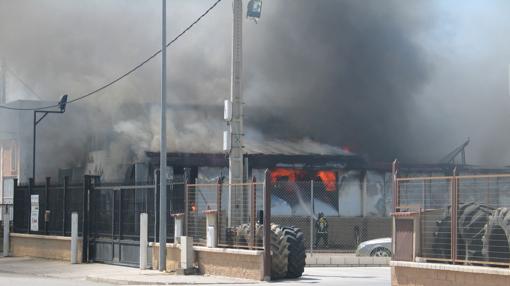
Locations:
{"points": [[105, 273]]}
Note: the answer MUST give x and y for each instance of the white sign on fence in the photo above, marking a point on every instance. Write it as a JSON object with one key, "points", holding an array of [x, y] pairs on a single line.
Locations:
{"points": [[34, 214]]}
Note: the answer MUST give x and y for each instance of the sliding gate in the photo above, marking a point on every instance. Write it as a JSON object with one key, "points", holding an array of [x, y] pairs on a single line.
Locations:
{"points": [[114, 223]]}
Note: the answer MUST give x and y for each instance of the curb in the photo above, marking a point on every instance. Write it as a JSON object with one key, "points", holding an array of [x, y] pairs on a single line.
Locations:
{"points": [[136, 282], [347, 265], [325, 260]]}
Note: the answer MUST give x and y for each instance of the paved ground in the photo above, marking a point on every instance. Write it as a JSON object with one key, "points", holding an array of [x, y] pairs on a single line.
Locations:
{"points": [[26, 271]]}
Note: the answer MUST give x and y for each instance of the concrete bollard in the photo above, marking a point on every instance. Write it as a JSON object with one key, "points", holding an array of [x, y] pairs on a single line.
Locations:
{"points": [[144, 228], [74, 238], [6, 222], [187, 255], [211, 228]]}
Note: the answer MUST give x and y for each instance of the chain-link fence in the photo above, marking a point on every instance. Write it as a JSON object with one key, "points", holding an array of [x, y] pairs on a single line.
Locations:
{"points": [[463, 219], [199, 198], [334, 216], [237, 209]]}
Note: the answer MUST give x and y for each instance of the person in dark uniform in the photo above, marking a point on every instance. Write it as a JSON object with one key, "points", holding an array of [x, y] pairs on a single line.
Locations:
{"points": [[321, 230]]}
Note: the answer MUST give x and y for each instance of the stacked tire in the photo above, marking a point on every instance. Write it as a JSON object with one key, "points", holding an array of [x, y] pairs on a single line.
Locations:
{"points": [[483, 234], [471, 219]]}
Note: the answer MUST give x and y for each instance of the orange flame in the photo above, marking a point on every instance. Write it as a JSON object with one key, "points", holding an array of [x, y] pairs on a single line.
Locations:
{"points": [[294, 175], [291, 174], [329, 179]]}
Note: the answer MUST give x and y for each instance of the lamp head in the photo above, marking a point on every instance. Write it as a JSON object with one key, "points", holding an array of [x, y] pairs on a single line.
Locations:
{"points": [[254, 9], [62, 103]]}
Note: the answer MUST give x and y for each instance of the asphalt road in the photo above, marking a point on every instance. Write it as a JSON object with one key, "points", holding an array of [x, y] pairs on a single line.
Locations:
{"points": [[7, 279], [41, 272], [366, 276]]}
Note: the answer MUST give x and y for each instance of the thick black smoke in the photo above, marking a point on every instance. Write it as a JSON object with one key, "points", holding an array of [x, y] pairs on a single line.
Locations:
{"points": [[340, 72], [387, 78]]}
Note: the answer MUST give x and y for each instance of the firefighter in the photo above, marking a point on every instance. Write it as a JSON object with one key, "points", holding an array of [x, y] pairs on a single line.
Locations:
{"points": [[321, 230]]}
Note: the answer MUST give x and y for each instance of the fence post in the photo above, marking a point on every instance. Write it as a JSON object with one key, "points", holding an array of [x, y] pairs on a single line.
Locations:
{"points": [[186, 207], [312, 214], [143, 240], [267, 226], [64, 205], [6, 224], [85, 219], [396, 195], [74, 238], [15, 198], [156, 196], [28, 200], [218, 208], [46, 201], [253, 212], [453, 225]]}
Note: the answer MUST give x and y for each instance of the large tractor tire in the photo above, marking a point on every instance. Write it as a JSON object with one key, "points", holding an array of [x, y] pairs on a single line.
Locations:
{"points": [[279, 252], [496, 238], [287, 248], [297, 254], [471, 222], [471, 218]]}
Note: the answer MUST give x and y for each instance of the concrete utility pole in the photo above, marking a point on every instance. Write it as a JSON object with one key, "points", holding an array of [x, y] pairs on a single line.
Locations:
{"points": [[162, 158], [236, 125]]}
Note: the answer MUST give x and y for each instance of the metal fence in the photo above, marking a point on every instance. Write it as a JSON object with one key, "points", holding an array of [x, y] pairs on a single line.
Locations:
{"points": [[463, 219], [114, 208], [245, 213], [46, 208], [333, 216]]}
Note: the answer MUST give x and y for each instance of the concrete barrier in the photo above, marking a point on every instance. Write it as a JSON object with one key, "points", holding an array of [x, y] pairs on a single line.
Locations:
{"points": [[173, 256], [238, 263], [413, 273], [43, 246], [344, 260]]}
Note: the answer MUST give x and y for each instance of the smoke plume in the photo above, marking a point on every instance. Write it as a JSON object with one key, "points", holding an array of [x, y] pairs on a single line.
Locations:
{"points": [[406, 79]]}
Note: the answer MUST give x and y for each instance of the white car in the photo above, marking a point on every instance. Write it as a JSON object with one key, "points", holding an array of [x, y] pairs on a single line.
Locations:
{"points": [[380, 247]]}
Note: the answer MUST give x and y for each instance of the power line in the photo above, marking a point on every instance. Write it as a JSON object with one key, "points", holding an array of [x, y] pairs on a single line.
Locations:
{"points": [[119, 78]]}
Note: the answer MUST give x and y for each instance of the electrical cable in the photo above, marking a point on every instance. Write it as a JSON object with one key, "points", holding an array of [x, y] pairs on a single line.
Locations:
{"points": [[119, 78]]}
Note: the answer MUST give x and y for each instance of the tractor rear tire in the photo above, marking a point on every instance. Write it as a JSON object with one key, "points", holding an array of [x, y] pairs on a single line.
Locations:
{"points": [[496, 238], [297, 254], [287, 248], [279, 252], [471, 222], [471, 219]]}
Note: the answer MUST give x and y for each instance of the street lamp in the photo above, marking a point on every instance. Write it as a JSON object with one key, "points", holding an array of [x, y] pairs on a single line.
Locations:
{"points": [[62, 106]]}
